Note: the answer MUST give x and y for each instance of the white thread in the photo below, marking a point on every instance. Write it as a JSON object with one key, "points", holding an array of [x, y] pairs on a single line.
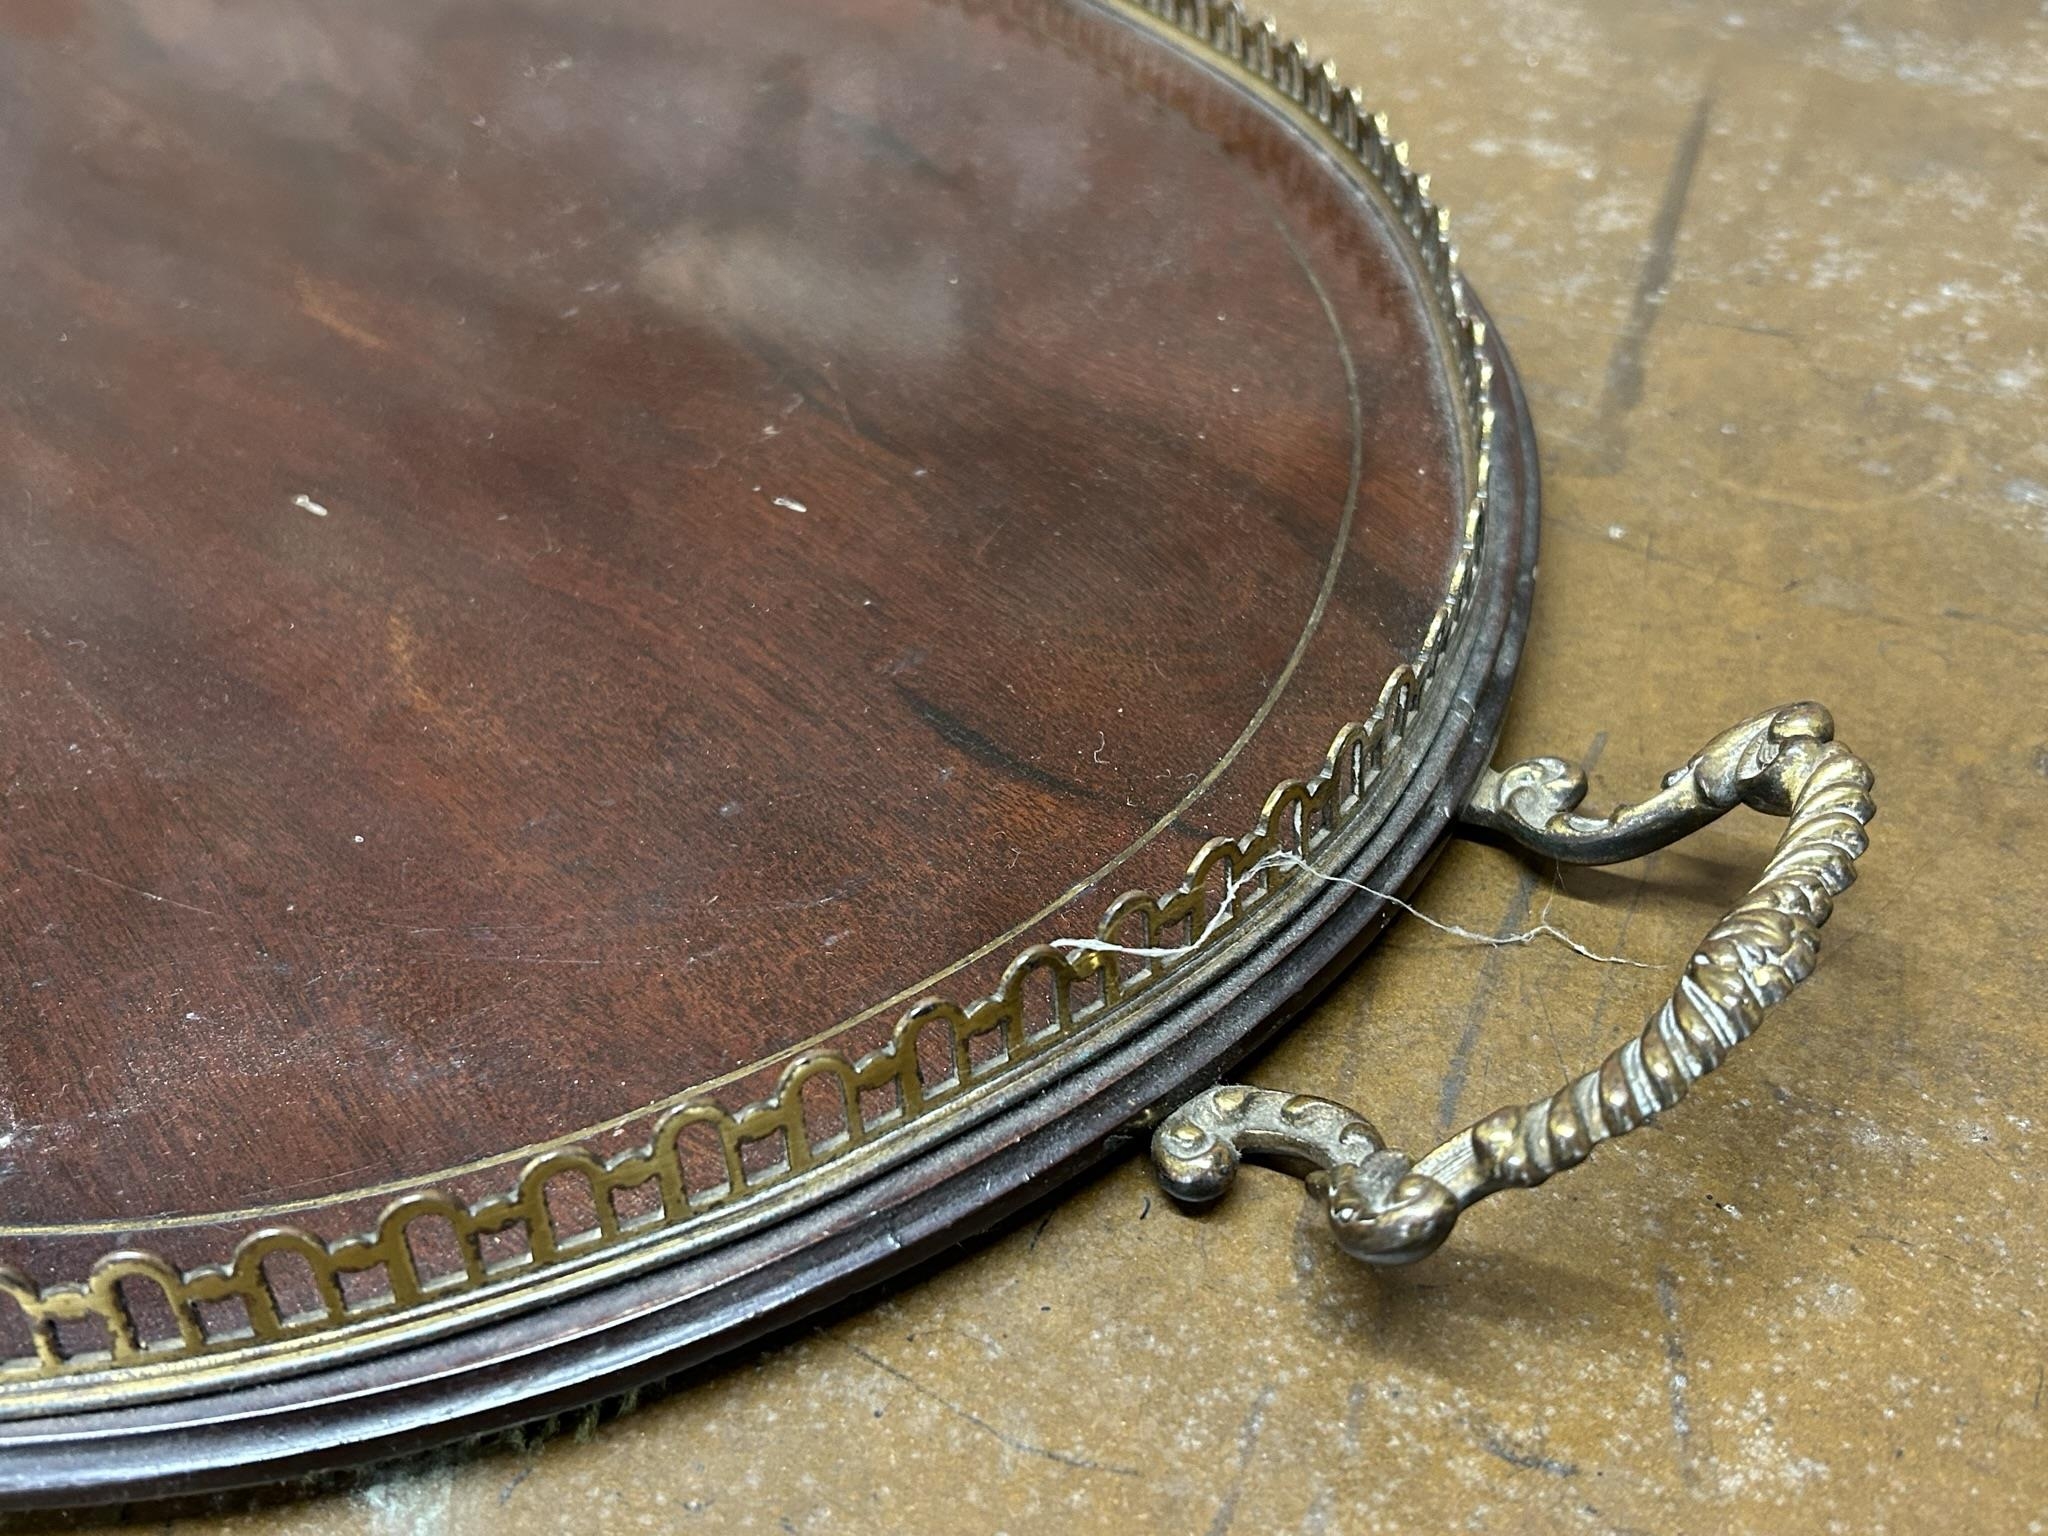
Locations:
{"points": [[1544, 927], [1282, 859], [1233, 884]]}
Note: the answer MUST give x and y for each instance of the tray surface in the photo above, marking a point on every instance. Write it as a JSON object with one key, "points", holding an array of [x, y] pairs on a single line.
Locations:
{"points": [[562, 556]]}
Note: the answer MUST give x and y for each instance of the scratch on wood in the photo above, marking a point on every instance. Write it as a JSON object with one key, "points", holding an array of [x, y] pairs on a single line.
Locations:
{"points": [[1677, 1376], [1476, 1010], [136, 890], [1488, 981], [1624, 386], [1023, 1447], [1628, 916], [1247, 1443], [505, 1493], [1498, 1445]]}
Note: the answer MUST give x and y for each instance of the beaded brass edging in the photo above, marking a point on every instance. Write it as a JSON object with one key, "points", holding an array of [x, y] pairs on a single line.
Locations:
{"points": [[1046, 998]]}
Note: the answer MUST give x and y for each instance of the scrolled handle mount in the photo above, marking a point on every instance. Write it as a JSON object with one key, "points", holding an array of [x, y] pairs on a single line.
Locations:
{"points": [[1385, 1209]]}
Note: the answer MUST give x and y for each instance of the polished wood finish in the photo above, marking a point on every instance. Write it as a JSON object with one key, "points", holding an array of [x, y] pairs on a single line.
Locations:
{"points": [[803, 487], [556, 554]]}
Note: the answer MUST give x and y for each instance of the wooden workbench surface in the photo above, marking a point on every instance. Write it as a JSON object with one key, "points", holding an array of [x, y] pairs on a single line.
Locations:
{"points": [[1775, 278]]}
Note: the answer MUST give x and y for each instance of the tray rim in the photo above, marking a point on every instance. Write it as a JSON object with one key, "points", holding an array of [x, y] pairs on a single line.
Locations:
{"points": [[1248, 55], [648, 1327]]}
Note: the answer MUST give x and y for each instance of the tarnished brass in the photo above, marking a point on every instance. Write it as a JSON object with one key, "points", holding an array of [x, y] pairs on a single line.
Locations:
{"points": [[1386, 1210]]}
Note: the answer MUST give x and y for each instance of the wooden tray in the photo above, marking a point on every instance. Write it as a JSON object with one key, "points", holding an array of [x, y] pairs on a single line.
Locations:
{"points": [[602, 603]]}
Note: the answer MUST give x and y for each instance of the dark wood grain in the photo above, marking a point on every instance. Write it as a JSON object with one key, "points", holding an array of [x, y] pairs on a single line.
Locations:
{"points": [[804, 487], [628, 1335], [553, 554]]}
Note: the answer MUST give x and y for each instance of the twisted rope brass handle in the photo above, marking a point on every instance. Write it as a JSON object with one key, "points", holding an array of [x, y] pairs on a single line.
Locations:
{"points": [[1385, 1209]]}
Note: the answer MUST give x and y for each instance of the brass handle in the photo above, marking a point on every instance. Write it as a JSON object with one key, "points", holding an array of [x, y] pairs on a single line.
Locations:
{"points": [[1385, 1209]]}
